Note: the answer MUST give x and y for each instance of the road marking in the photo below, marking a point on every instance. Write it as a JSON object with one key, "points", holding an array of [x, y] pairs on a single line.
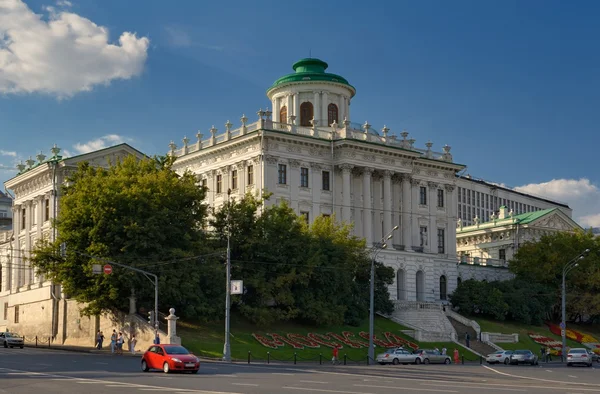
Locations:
{"points": [[245, 384], [90, 382], [102, 363], [548, 370], [281, 373], [571, 376], [405, 388], [538, 379], [458, 384], [313, 381], [323, 390]]}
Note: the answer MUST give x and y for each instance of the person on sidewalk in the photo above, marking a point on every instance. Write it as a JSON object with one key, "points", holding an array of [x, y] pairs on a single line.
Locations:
{"points": [[456, 359], [113, 341], [100, 340], [120, 341], [335, 352], [157, 339], [132, 344], [548, 354], [543, 354]]}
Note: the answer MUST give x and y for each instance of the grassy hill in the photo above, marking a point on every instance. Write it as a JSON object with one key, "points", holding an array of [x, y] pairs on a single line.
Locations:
{"points": [[207, 340]]}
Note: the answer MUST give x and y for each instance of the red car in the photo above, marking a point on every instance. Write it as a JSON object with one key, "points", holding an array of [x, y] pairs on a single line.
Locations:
{"points": [[169, 358]]}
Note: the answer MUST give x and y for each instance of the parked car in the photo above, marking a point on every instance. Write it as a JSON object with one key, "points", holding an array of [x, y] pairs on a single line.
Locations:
{"points": [[523, 357], [396, 356], [10, 339], [595, 356], [579, 356], [501, 356], [169, 358], [427, 356]]}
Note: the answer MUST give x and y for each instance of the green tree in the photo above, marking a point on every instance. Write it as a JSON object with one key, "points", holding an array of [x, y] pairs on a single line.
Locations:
{"points": [[138, 213], [543, 262]]}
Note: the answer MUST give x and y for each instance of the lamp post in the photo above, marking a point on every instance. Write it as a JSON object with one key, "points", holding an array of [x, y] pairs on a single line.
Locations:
{"points": [[375, 251], [563, 326], [227, 346]]}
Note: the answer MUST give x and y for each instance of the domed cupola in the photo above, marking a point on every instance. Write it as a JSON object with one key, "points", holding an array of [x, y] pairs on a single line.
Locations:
{"points": [[310, 94]]}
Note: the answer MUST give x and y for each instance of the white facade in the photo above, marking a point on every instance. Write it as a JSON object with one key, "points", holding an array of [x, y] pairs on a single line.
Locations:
{"points": [[373, 181], [481, 199]]}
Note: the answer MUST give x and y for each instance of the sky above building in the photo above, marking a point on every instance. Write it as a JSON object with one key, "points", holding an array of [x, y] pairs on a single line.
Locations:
{"points": [[512, 86]]}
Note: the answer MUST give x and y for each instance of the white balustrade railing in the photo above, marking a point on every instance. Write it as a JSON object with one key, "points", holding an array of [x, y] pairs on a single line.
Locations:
{"points": [[416, 305]]}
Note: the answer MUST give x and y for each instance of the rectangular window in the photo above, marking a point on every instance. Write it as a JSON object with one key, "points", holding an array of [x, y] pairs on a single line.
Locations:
{"points": [[46, 209], [305, 215], [251, 175], [441, 240], [219, 183], [303, 177], [16, 314], [459, 194], [23, 218], [468, 197], [234, 180], [423, 235], [459, 211], [478, 199], [502, 254], [440, 198], [423, 195], [325, 175], [282, 174], [6, 311]]}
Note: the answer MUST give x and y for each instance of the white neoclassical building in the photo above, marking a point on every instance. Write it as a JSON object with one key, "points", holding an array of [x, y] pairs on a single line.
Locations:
{"points": [[308, 152]]}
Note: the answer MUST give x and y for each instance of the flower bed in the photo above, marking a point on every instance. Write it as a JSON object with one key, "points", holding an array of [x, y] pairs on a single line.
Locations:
{"points": [[573, 334], [554, 345], [331, 340]]}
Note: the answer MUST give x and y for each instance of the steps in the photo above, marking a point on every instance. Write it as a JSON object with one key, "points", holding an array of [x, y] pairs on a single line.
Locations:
{"points": [[428, 318], [480, 347]]}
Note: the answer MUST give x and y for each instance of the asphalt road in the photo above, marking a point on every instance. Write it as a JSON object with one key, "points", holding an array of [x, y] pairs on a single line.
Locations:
{"points": [[29, 370]]}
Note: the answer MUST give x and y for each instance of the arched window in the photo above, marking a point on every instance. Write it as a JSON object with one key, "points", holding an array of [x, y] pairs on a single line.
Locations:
{"points": [[332, 114], [420, 286], [401, 285], [283, 114], [443, 288], [306, 114]]}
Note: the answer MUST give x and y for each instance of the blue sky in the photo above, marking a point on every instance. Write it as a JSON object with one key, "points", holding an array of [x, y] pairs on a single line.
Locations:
{"points": [[512, 86]]}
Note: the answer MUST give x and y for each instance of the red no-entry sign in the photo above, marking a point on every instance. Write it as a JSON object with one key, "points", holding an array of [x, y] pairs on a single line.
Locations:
{"points": [[107, 269]]}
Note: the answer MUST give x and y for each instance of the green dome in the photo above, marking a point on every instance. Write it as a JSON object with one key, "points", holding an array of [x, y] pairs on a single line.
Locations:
{"points": [[313, 70]]}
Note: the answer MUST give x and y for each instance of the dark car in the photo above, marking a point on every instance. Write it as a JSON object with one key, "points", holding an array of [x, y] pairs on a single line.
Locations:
{"points": [[523, 357]]}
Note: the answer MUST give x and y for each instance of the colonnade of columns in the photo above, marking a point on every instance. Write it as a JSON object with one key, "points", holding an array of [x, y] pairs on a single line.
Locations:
{"points": [[320, 101]]}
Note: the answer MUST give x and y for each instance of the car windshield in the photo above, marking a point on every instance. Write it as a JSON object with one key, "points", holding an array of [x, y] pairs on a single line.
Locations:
{"points": [[11, 335], [522, 352], [578, 351], [176, 350]]}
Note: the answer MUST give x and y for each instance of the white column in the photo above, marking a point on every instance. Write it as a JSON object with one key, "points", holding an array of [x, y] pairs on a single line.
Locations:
{"points": [[290, 109], [259, 172], [406, 213], [368, 216], [396, 209], [297, 107], [451, 227], [387, 202], [346, 179], [347, 106], [433, 187], [24, 261], [341, 108], [317, 108], [415, 187], [276, 107], [324, 112], [15, 261], [315, 182]]}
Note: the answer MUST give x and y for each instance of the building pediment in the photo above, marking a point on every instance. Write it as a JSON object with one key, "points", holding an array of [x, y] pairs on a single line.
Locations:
{"points": [[555, 221]]}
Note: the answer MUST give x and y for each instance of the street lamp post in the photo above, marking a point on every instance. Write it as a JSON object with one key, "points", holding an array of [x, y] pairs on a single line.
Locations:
{"points": [[227, 345], [375, 251], [563, 326]]}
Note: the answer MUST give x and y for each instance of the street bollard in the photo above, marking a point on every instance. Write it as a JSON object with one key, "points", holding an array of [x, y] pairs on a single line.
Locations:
{"points": [[320, 359], [48, 341], [268, 357], [463, 360], [36, 341], [295, 356], [345, 356], [480, 360], [248, 356], [368, 361]]}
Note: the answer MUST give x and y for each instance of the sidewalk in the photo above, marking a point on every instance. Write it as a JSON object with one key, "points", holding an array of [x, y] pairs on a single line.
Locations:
{"points": [[84, 349]]}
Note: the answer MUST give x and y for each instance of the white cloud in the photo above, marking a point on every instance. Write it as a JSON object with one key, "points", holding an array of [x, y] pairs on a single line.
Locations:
{"points": [[8, 153], [63, 55], [100, 143], [64, 3], [581, 195]]}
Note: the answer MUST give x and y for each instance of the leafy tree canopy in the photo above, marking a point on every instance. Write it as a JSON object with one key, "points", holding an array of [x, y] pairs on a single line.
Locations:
{"points": [[137, 213]]}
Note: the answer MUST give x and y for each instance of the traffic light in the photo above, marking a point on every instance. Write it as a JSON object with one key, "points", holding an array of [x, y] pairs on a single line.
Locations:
{"points": [[151, 318]]}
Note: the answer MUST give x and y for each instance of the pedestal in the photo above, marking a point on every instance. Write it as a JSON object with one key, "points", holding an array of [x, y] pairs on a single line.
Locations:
{"points": [[172, 337]]}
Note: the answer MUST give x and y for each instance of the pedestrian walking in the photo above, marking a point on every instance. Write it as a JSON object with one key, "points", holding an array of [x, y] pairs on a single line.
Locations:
{"points": [[157, 339], [543, 354], [120, 341], [444, 351], [99, 340], [113, 341], [467, 339], [132, 344], [335, 353], [456, 360], [548, 354]]}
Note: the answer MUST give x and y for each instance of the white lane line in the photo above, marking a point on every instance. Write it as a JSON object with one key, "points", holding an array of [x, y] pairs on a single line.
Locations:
{"points": [[539, 379], [571, 376], [102, 363], [88, 382], [324, 391], [407, 388], [460, 385], [282, 373], [246, 384], [313, 381], [548, 370]]}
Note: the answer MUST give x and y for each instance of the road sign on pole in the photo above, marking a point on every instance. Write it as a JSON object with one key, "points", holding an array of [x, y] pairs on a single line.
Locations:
{"points": [[96, 269], [562, 325], [237, 287], [108, 269]]}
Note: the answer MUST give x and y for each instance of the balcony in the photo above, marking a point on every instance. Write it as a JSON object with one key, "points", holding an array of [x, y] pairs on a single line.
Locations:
{"points": [[482, 261]]}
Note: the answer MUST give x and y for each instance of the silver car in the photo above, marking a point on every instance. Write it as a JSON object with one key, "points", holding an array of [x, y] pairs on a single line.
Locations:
{"points": [[579, 356], [10, 339], [501, 356], [396, 356], [429, 356], [523, 357]]}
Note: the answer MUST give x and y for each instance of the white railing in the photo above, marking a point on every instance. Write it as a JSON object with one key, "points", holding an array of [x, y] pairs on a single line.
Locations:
{"points": [[415, 305], [350, 131], [482, 261], [499, 338]]}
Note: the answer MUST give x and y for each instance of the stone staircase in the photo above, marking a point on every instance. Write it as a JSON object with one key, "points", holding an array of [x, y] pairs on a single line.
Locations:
{"points": [[429, 318], [480, 347]]}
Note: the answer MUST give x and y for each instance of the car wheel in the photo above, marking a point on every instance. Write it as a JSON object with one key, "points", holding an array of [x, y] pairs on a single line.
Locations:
{"points": [[426, 361], [6, 345], [590, 364], [447, 361], [395, 362], [506, 361], [569, 365], [21, 347], [417, 361], [381, 363], [145, 366], [166, 368]]}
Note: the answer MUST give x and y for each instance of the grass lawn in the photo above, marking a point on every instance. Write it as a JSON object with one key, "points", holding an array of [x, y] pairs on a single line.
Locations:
{"points": [[525, 342], [207, 340]]}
